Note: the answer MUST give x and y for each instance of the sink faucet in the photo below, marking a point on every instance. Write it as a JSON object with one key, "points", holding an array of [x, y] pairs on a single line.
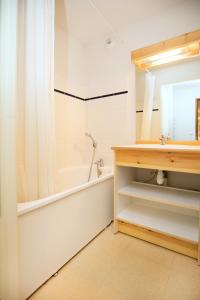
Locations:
{"points": [[99, 164], [163, 139]]}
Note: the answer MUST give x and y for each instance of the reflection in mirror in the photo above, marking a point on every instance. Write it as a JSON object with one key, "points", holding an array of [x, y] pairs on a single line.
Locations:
{"points": [[166, 101]]}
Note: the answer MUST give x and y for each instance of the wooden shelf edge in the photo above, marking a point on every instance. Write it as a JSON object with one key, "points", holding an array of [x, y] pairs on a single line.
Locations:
{"points": [[187, 248]]}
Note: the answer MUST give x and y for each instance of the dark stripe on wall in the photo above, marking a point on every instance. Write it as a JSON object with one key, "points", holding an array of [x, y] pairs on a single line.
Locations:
{"points": [[140, 111], [107, 95], [67, 94], [92, 98]]}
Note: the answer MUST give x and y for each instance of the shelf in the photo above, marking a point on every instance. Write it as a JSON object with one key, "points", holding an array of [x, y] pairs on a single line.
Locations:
{"points": [[158, 220], [164, 195]]}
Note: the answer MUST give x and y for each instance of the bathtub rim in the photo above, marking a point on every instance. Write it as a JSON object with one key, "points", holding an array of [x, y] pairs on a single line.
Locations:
{"points": [[26, 207]]}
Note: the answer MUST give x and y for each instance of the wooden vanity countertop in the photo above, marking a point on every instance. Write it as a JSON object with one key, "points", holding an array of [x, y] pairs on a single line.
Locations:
{"points": [[159, 148]]}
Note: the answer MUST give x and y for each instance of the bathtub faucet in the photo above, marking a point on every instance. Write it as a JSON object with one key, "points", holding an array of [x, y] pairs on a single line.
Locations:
{"points": [[100, 164], [163, 139]]}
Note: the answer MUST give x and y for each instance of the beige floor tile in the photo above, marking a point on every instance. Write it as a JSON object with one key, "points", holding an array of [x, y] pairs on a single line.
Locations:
{"points": [[151, 252], [184, 281], [120, 267]]}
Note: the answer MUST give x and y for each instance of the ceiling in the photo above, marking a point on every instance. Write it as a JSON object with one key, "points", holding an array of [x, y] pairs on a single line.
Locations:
{"points": [[89, 20]]}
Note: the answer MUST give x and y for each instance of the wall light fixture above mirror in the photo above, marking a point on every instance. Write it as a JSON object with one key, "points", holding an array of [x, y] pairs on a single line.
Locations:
{"points": [[181, 47]]}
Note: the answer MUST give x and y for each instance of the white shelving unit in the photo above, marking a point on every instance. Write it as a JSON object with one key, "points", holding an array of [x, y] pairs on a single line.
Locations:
{"points": [[171, 213]]}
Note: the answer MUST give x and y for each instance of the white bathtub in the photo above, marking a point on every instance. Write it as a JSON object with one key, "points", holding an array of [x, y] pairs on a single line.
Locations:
{"points": [[52, 230]]}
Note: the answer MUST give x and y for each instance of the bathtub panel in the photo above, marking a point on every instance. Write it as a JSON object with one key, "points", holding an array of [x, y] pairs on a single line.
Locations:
{"points": [[52, 234]]}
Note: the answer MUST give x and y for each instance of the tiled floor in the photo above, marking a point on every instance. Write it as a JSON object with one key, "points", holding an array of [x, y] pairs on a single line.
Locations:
{"points": [[120, 267]]}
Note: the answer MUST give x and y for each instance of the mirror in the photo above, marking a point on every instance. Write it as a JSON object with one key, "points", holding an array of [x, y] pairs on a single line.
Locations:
{"points": [[168, 100]]}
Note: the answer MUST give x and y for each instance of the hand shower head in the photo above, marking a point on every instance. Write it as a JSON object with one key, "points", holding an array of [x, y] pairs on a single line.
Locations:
{"points": [[91, 137]]}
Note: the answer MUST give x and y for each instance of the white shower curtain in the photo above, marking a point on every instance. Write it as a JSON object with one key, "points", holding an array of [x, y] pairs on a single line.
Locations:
{"points": [[36, 111], [131, 126], [8, 98], [26, 120], [148, 106], [167, 110]]}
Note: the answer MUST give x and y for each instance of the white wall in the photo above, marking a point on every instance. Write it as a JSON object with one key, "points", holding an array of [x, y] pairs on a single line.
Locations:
{"points": [[110, 120], [69, 63], [70, 78], [113, 120]]}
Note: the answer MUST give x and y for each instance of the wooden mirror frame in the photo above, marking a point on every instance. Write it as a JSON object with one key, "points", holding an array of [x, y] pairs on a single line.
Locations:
{"points": [[197, 134]]}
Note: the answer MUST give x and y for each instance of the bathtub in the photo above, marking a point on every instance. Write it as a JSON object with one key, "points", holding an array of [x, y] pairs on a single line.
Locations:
{"points": [[52, 230]]}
